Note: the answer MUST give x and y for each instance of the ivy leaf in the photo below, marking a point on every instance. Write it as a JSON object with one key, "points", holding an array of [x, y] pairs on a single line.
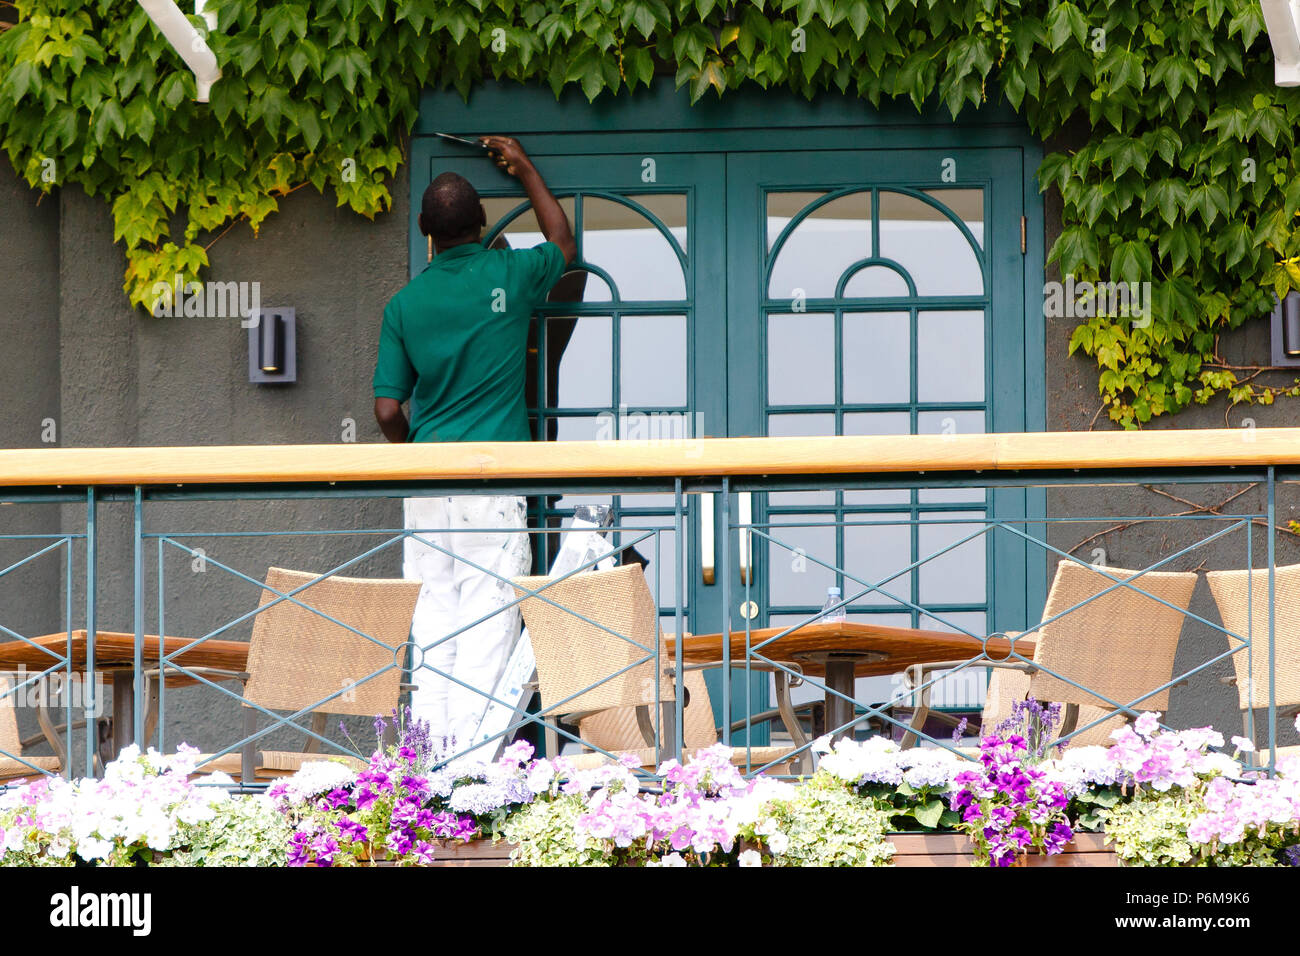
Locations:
{"points": [[1124, 68], [346, 64], [1170, 196], [692, 43], [1076, 246], [1233, 243], [172, 90], [1209, 199], [22, 76], [108, 118], [308, 124], [1175, 72], [282, 18], [305, 54], [140, 116], [1064, 21], [1180, 245], [639, 65], [1131, 262]]}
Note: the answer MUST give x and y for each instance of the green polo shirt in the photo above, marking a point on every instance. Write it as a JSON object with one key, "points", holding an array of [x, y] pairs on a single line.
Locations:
{"points": [[453, 341]]}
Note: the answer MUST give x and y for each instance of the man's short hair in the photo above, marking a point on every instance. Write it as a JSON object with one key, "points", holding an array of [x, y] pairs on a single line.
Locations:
{"points": [[450, 207]]}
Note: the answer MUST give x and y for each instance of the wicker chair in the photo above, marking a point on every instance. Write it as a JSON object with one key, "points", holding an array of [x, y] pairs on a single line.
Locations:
{"points": [[600, 672], [1120, 646], [299, 657], [1242, 598], [17, 766]]}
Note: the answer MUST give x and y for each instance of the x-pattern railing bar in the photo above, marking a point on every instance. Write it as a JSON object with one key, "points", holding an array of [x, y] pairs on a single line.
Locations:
{"points": [[538, 594], [281, 597], [1126, 582], [64, 539]]}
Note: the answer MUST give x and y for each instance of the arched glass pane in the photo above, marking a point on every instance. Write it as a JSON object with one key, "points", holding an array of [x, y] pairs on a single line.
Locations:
{"points": [[877, 357], [822, 245], [631, 250], [929, 246], [967, 205], [876, 282], [800, 359], [523, 231], [670, 209]]}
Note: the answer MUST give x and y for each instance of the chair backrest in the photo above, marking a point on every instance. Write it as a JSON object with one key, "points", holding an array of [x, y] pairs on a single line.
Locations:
{"points": [[1242, 597], [596, 649], [10, 740], [1120, 645], [618, 729], [298, 656]]}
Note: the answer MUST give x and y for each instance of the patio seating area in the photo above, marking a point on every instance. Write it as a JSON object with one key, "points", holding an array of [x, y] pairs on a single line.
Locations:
{"points": [[611, 677]]}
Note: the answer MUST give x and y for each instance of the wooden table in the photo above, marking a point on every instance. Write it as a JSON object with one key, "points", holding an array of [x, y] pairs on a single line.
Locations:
{"points": [[842, 652], [115, 655]]}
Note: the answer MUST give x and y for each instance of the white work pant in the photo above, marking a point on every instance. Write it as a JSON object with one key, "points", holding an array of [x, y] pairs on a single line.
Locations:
{"points": [[456, 594]]}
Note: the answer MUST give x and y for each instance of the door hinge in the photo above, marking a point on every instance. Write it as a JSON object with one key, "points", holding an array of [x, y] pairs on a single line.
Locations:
{"points": [[1024, 235]]}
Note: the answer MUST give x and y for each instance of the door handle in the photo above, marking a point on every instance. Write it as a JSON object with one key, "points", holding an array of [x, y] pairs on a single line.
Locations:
{"points": [[745, 517], [708, 560], [708, 548]]}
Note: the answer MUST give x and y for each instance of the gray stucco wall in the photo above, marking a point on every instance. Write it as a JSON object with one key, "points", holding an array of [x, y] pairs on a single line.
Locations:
{"points": [[123, 378]]}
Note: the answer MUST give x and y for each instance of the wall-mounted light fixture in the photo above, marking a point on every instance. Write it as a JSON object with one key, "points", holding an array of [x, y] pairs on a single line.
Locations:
{"points": [[1286, 331], [273, 346]]}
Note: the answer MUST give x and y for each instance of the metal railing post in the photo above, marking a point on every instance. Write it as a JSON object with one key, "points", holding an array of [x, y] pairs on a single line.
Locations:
{"points": [[1272, 616], [92, 735], [137, 674], [682, 582], [726, 611]]}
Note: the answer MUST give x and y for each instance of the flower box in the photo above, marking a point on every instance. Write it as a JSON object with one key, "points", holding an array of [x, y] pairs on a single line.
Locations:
{"points": [[954, 849]]}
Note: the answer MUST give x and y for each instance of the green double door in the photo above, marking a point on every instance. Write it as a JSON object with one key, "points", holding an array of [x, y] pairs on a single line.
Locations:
{"points": [[798, 292]]}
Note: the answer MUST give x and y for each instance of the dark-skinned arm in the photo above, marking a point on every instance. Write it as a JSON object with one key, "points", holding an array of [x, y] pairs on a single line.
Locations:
{"points": [[392, 420], [555, 226]]}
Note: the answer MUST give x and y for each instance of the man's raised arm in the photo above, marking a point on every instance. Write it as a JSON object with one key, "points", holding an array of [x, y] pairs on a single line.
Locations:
{"points": [[511, 157]]}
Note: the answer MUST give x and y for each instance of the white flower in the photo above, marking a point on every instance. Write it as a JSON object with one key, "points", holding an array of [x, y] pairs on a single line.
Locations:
{"points": [[778, 843], [540, 776], [93, 849], [672, 859], [750, 858], [1243, 744]]}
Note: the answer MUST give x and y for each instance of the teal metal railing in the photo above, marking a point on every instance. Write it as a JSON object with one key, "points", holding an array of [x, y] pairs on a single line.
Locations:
{"points": [[1017, 532]]}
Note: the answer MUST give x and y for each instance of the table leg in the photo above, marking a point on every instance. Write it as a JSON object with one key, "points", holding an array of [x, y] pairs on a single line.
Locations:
{"points": [[840, 679], [123, 710]]}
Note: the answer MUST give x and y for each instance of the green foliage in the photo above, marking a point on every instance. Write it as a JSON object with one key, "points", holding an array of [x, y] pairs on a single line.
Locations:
{"points": [[1151, 830], [244, 831], [822, 822], [1188, 179], [545, 835]]}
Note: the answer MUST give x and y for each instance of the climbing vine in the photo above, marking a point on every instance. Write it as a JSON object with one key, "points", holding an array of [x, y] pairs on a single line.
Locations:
{"points": [[1186, 178]]}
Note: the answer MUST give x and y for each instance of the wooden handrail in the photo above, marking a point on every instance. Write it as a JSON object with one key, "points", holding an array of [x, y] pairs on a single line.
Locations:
{"points": [[1040, 451]]}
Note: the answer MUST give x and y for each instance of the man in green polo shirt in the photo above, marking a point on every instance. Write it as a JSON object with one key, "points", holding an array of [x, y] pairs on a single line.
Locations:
{"points": [[453, 343]]}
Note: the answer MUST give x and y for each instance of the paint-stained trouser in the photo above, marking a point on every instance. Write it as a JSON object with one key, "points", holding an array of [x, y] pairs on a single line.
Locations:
{"points": [[456, 594]]}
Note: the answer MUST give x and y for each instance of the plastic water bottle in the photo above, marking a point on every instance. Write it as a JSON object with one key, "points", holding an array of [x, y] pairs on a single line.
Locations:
{"points": [[830, 613]]}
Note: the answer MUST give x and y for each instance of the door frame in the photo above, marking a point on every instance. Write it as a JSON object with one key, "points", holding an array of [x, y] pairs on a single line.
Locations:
{"points": [[661, 120]]}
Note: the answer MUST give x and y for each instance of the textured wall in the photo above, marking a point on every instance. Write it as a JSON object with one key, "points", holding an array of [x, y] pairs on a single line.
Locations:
{"points": [[122, 378]]}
